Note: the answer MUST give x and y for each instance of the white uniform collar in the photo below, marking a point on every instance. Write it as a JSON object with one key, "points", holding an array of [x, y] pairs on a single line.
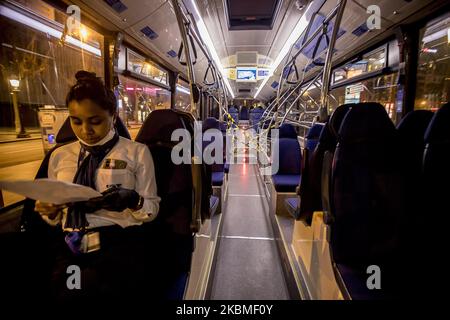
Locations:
{"points": [[108, 137]]}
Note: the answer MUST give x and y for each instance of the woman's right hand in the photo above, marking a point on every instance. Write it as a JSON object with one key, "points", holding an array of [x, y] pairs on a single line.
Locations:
{"points": [[49, 210]]}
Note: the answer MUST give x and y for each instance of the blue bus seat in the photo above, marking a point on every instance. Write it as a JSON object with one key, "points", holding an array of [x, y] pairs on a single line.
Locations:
{"points": [[292, 205], [288, 176], [175, 185], [286, 130], [311, 185], [244, 114], [214, 204], [310, 144], [367, 200]]}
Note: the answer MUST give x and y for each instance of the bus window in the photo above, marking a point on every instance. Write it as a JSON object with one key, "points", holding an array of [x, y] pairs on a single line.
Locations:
{"points": [[182, 96], [137, 99], [382, 89], [433, 72], [34, 54]]}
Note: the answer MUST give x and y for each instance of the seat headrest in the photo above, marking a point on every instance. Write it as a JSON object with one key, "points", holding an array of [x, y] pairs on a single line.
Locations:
{"points": [[327, 141], [414, 125], [337, 116], [159, 125], [233, 110], [122, 129], [315, 130], [439, 129], [66, 134], [210, 123], [366, 122], [223, 126], [287, 131]]}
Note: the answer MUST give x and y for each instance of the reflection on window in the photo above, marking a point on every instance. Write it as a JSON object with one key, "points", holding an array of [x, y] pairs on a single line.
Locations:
{"points": [[138, 65], [371, 62], [433, 72], [182, 96], [137, 99], [311, 99], [34, 54], [381, 89]]}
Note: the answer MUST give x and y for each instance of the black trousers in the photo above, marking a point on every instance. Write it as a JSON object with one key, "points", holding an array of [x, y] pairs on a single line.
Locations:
{"points": [[135, 264], [121, 269]]}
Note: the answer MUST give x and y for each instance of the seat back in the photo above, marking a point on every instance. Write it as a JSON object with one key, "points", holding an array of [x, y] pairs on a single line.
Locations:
{"points": [[314, 185], [255, 116], [312, 137], [223, 127], [411, 132], [433, 219], [311, 141], [233, 109], [213, 123], [244, 113], [436, 161], [286, 130], [290, 157], [175, 182], [210, 123], [367, 189], [234, 113]]}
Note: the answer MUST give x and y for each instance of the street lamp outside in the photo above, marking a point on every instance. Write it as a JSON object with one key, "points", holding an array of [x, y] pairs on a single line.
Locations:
{"points": [[20, 129]]}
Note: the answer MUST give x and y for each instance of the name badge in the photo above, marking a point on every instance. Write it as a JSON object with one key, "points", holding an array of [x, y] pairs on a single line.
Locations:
{"points": [[91, 242], [114, 164]]}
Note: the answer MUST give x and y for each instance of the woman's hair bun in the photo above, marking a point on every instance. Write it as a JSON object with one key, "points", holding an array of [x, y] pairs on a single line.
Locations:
{"points": [[83, 75], [89, 86]]}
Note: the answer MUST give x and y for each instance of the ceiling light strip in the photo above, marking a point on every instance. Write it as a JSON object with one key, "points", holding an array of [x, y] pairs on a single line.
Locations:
{"points": [[294, 36], [39, 26], [208, 42]]}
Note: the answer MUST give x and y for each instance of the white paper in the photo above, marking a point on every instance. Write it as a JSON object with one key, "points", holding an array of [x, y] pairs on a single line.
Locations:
{"points": [[50, 191]]}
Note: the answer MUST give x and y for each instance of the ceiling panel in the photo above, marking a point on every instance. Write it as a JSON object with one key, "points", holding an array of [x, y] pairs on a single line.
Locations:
{"points": [[136, 10], [164, 23], [159, 16], [393, 12]]}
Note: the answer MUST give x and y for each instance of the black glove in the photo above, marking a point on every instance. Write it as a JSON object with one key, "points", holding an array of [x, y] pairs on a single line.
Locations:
{"points": [[88, 206], [118, 199]]}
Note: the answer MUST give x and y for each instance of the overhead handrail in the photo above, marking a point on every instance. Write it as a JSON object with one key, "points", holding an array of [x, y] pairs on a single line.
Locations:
{"points": [[336, 13], [205, 78], [194, 33], [300, 95], [328, 18], [319, 41], [194, 50], [293, 65], [306, 42], [190, 37]]}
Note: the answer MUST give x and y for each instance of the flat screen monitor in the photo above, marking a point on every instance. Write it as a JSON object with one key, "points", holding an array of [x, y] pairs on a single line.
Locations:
{"points": [[246, 74]]}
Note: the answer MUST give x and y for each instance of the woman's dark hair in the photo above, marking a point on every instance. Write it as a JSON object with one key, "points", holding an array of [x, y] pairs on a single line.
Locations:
{"points": [[91, 87]]}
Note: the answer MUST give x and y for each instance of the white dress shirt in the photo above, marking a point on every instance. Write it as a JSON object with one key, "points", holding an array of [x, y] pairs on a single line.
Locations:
{"points": [[129, 165]]}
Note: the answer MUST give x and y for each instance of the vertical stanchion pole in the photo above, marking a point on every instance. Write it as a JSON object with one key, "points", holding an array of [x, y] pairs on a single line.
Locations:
{"points": [[187, 53], [323, 111]]}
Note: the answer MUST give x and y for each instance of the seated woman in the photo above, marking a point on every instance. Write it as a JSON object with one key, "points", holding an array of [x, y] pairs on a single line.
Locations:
{"points": [[102, 236]]}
